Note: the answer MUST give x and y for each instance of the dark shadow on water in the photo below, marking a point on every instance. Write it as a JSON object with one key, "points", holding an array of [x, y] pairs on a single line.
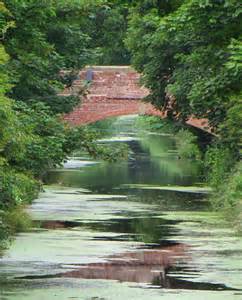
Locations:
{"points": [[146, 229]]}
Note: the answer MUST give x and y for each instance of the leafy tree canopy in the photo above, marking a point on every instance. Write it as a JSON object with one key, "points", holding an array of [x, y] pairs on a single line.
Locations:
{"points": [[193, 52]]}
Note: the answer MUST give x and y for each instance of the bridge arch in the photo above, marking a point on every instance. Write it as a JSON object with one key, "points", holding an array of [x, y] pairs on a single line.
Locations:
{"points": [[113, 91]]}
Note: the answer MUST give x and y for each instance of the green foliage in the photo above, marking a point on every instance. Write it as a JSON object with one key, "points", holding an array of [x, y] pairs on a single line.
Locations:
{"points": [[232, 194], [188, 52], [13, 220], [228, 197], [111, 22], [44, 147], [48, 37], [187, 145], [34, 63], [225, 176], [18, 220], [38, 41], [235, 60], [16, 188], [230, 130], [190, 55], [5, 24], [4, 81], [153, 123], [60, 104], [4, 231], [6, 116], [218, 163]]}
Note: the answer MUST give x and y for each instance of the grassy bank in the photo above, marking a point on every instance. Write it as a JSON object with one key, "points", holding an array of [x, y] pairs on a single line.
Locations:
{"points": [[17, 190], [12, 221], [224, 175]]}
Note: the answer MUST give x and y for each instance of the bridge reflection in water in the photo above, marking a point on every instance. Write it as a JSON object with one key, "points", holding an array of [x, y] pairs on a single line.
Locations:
{"points": [[149, 266], [142, 266]]}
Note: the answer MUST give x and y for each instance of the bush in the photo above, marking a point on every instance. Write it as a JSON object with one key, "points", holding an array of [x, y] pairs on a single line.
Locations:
{"points": [[11, 221], [4, 231], [228, 196], [218, 164], [156, 124], [232, 194], [187, 145], [61, 104], [16, 188], [47, 135], [18, 220], [225, 177]]}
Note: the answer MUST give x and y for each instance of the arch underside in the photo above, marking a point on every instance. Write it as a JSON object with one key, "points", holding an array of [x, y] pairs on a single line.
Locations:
{"points": [[92, 110]]}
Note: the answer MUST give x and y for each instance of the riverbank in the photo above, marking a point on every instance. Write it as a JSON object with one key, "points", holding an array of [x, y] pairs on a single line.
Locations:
{"points": [[222, 172], [46, 147]]}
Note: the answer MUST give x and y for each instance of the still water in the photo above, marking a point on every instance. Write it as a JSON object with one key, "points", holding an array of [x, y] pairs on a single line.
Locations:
{"points": [[137, 229]]}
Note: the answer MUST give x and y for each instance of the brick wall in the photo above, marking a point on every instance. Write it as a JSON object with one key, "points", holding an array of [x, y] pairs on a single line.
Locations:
{"points": [[114, 91]]}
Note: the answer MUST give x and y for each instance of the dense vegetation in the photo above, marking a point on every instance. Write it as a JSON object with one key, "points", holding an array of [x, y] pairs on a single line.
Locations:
{"points": [[39, 39], [190, 54]]}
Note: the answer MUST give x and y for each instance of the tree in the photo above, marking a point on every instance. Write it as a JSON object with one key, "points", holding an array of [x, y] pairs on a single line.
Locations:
{"points": [[185, 55], [47, 38]]}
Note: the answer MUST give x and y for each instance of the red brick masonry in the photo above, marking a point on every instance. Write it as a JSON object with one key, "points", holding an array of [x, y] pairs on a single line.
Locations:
{"points": [[113, 91]]}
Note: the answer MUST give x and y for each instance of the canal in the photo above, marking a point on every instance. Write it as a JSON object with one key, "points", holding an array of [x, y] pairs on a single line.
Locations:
{"points": [[136, 229]]}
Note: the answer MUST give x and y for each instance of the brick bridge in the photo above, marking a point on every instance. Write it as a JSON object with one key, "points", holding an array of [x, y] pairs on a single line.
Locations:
{"points": [[113, 91]]}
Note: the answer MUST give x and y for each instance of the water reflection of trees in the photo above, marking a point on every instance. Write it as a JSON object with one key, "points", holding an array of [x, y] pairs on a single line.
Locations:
{"points": [[152, 162], [146, 229]]}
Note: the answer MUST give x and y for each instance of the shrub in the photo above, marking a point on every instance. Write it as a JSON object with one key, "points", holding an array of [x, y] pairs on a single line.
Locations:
{"points": [[218, 163], [18, 220], [16, 188], [187, 145], [228, 196], [154, 123]]}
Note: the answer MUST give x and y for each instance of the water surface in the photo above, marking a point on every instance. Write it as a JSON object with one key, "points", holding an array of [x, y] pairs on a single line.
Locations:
{"points": [[137, 229]]}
